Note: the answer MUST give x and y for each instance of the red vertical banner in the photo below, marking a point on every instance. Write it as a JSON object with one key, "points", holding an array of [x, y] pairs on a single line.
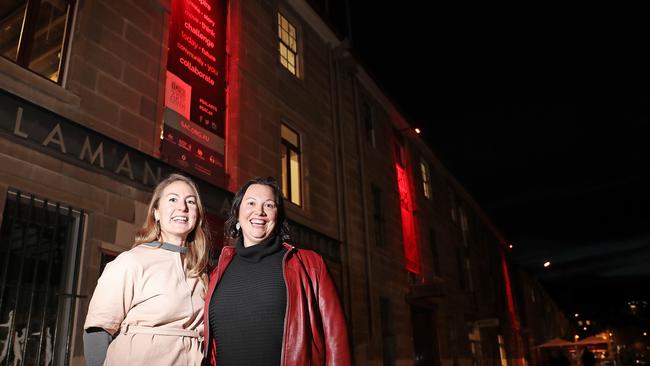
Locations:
{"points": [[195, 89], [411, 250]]}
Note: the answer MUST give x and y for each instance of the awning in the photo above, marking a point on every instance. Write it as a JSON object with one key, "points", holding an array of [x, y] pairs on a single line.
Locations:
{"points": [[556, 342]]}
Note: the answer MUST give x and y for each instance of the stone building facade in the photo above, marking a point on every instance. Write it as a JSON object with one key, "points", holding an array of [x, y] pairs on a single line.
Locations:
{"points": [[423, 274]]}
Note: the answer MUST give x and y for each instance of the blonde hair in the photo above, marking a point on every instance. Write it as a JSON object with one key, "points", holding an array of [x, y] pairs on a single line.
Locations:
{"points": [[196, 259]]}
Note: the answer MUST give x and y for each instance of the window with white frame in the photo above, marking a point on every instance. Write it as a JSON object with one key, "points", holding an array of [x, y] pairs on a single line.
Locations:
{"points": [[288, 45], [426, 179], [290, 158]]}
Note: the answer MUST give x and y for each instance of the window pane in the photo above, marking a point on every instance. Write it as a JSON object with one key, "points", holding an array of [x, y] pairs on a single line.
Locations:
{"points": [[283, 22], [292, 45], [295, 177], [287, 37], [285, 176], [289, 135], [48, 39], [284, 36], [12, 14]]}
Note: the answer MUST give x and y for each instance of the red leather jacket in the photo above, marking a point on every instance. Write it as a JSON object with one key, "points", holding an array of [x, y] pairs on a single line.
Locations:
{"points": [[314, 324]]}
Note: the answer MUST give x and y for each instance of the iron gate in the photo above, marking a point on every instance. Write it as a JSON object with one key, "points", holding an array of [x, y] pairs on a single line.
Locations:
{"points": [[40, 242]]}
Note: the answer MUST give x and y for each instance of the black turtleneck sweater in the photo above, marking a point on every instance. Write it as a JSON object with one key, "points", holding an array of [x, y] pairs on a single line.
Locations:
{"points": [[248, 306]]}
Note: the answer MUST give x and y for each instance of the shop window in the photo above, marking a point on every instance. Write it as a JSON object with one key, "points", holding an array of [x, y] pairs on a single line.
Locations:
{"points": [[288, 45], [35, 33], [290, 156]]}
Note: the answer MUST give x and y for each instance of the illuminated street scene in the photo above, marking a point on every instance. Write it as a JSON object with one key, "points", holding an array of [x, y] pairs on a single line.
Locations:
{"points": [[473, 206]]}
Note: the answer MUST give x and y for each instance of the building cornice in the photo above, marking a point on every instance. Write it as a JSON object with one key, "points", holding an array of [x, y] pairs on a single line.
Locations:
{"points": [[315, 21]]}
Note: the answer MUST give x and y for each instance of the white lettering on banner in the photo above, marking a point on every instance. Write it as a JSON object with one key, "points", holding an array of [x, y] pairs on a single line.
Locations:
{"points": [[189, 40], [208, 19], [207, 54], [208, 104], [196, 8], [195, 131], [208, 29], [191, 55], [197, 32], [188, 64], [205, 4], [193, 17]]}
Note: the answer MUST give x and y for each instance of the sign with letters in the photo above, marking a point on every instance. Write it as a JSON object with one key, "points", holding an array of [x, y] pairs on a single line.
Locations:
{"points": [[39, 129], [195, 89], [58, 136]]}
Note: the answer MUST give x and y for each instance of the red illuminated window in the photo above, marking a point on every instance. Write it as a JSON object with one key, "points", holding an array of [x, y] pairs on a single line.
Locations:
{"points": [[290, 157], [288, 45], [35, 34]]}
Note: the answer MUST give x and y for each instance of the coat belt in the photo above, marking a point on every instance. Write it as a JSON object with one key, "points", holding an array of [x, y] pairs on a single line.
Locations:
{"points": [[164, 331]]}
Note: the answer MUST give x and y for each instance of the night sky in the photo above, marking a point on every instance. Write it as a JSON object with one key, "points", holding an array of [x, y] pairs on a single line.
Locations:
{"points": [[543, 114]]}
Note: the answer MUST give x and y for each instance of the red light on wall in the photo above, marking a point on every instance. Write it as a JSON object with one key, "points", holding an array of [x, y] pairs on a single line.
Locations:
{"points": [[512, 310], [411, 250]]}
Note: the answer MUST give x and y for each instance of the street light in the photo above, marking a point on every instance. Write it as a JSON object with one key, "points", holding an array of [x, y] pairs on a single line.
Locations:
{"points": [[547, 264], [414, 129]]}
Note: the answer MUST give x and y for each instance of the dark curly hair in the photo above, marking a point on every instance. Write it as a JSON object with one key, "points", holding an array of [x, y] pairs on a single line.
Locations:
{"points": [[281, 225]]}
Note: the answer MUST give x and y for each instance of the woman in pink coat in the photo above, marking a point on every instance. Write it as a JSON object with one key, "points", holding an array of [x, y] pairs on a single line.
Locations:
{"points": [[147, 307]]}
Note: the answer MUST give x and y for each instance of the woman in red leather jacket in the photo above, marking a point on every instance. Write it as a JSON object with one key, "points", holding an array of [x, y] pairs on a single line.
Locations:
{"points": [[269, 303]]}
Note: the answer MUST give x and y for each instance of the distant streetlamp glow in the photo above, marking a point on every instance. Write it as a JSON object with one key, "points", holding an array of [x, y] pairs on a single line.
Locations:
{"points": [[645, 334], [584, 328], [547, 264], [414, 129], [576, 315], [509, 246], [576, 337]]}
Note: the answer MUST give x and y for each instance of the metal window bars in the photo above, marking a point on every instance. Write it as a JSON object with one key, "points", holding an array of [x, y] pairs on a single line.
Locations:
{"points": [[39, 255]]}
